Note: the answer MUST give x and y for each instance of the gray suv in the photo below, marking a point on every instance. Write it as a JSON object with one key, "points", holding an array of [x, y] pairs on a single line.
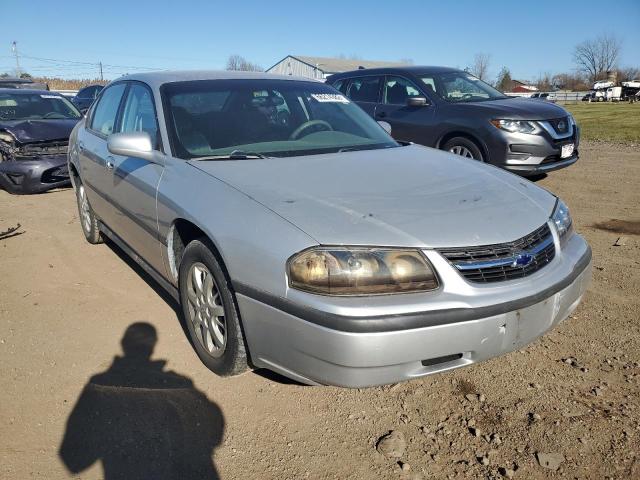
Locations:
{"points": [[452, 110]]}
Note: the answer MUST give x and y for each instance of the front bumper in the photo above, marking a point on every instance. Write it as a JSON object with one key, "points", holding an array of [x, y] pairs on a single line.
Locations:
{"points": [[375, 350], [34, 176], [532, 154]]}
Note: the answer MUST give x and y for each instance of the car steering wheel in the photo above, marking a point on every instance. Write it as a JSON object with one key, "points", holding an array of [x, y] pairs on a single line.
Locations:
{"points": [[50, 114], [296, 133]]}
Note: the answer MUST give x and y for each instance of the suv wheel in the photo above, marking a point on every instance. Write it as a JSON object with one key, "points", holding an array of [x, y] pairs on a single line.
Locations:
{"points": [[88, 219], [464, 147], [210, 311]]}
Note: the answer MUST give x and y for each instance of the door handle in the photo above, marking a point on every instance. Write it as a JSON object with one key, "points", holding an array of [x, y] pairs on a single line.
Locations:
{"points": [[110, 164], [381, 114], [81, 146]]}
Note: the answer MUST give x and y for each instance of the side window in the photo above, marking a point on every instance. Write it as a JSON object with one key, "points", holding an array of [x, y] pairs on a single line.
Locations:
{"points": [[430, 84], [89, 92], [341, 85], [397, 90], [104, 115], [364, 89], [84, 93], [139, 114]]}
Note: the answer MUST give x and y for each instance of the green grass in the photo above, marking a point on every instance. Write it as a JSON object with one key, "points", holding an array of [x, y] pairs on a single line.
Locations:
{"points": [[612, 122]]}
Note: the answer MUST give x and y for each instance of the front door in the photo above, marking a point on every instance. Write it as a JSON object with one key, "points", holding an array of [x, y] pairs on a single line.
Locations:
{"points": [[134, 181], [408, 123]]}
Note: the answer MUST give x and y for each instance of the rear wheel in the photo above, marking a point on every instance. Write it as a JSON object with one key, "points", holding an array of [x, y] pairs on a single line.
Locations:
{"points": [[88, 219], [464, 147], [210, 311]]}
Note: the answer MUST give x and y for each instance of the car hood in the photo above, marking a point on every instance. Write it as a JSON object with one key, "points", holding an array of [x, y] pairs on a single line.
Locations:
{"points": [[28, 131], [405, 196], [516, 109]]}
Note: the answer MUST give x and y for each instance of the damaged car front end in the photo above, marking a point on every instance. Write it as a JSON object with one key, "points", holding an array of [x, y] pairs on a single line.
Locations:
{"points": [[34, 135]]}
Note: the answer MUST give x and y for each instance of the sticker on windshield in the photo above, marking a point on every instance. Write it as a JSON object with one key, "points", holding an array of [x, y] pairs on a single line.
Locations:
{"points": [[49, 96], [329, 97]]}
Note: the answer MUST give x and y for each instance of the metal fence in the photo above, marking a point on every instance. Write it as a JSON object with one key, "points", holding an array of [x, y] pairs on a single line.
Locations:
{"points": [[559, 97]]}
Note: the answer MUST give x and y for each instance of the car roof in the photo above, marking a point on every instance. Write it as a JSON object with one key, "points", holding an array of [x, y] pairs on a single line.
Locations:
{"points": [[25, 91], [15, 80], [156, 79], [411, 69]]}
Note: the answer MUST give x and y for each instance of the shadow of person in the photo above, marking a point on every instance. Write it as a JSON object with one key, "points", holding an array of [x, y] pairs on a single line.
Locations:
{"points": [[141, 421]]}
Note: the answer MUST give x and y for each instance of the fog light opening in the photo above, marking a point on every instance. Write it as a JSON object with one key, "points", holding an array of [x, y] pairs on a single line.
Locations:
{"points": [[430, 362]]}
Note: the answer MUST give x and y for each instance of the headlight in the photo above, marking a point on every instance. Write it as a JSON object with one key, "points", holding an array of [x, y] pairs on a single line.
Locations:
{"points": [[515, 126], [562, 220], [6, 137], [360, 271]]}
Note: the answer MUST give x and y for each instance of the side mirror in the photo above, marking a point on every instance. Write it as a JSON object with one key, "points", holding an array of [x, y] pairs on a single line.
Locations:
{"points": [[385, 125], [132, 144], [416, 102]]}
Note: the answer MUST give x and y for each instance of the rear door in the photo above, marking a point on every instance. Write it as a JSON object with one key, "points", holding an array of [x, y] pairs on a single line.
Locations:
{"points": [[92, 145], [410, 124], [134, 181], [365, 91]]}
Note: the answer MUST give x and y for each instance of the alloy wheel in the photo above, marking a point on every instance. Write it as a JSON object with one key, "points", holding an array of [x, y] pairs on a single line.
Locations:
{"points": [[85, 209], [462, 151], [205, 309]]}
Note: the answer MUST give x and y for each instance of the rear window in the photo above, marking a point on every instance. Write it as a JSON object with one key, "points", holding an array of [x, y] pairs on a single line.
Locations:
{"points": [[365, 89]]}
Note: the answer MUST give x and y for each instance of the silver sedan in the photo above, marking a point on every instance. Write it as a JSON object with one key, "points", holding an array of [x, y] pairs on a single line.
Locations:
{"points": [[298, 236]]}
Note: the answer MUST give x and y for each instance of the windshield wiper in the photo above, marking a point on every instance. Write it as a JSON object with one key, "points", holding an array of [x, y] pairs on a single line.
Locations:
{"points": [[363, 147], [235, 155]]}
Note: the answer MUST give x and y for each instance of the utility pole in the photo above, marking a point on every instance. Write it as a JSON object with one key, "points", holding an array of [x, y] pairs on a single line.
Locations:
{"points": [[14, 49], [101, 76]]}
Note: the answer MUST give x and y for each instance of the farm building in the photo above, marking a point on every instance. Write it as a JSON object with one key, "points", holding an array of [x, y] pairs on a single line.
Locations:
{"points": [[321, 67], [523, 87]]}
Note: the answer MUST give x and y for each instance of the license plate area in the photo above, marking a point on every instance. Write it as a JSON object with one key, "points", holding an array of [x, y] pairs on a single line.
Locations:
{"points": [[567, 150]]}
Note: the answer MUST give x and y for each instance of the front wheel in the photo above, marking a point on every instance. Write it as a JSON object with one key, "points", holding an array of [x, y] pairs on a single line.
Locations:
{"points": [[210, 311], [464, 147]]}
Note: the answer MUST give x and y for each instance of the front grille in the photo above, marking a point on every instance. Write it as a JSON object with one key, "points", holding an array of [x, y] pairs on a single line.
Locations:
{"points": [[32, 150], [560, 125], [504, 261]]}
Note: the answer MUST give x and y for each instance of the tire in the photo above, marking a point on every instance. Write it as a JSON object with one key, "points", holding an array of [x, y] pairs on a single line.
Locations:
{"points": [[464, 147], [88, 219], [210, 311]]}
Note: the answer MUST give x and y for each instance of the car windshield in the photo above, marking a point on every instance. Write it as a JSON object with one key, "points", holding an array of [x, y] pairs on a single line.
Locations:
{"points": [[36, 106], [279, 118], [456, 87]]}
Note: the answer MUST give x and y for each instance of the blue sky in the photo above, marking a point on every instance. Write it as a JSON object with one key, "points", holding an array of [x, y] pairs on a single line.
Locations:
{"points": [[135, 34]]}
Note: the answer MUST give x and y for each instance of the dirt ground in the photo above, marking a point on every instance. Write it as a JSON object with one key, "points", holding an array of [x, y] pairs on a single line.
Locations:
{"points": [[568, 406]]}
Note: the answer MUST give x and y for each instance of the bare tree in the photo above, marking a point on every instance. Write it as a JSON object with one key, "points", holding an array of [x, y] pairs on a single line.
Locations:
{"points": [[544, 82], [570, 81], [480, 66], [238, 62], [629, 73], [597, 56]]}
